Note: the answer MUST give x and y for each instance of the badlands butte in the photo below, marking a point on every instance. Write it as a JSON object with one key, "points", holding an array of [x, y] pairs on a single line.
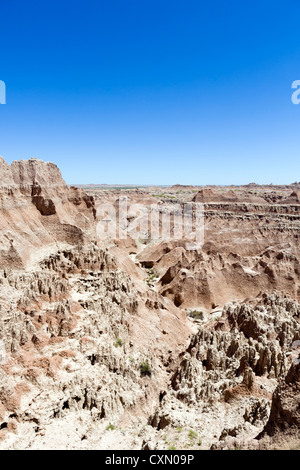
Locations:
{"points": [[142, 343]]}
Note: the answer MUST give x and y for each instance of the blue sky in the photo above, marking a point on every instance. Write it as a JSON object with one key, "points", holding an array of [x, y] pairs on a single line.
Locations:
{"points": [[153, 92]]}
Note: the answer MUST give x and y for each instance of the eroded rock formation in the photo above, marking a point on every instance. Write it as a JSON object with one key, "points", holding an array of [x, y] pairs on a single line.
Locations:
{"points": [[38, 209], [143, 343]]}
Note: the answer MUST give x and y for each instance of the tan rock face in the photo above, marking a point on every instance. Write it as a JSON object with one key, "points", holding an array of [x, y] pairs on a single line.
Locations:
{"points": [[248, 249], [143, 343], [38, 209], [285, 411]]}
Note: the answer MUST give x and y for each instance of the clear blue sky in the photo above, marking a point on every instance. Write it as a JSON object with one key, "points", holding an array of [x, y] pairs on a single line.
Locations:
{"points": [[153, 92]]}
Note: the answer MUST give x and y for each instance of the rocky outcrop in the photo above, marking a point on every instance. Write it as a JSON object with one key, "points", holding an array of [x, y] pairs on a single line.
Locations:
{"points": [[77, 342], [230, 370], [285, 409], [127, 343], [207, 195], [38, 209]]}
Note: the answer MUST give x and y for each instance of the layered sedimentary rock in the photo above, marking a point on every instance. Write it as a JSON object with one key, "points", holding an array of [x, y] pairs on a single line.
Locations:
{"points": [[38, 210], [143, 343], [248, 248]]}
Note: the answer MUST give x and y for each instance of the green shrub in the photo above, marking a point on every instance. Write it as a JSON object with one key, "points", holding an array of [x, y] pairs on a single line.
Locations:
{"points": [[192, 434], [145, 368], [110, 427], [195, 314]]}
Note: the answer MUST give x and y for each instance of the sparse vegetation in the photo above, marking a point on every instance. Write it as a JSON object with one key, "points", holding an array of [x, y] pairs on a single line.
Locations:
{"points": [[164, 195], [192, 434], [119, 342], [196, 315], [152, 276], [110, 427], [145, 368]]}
